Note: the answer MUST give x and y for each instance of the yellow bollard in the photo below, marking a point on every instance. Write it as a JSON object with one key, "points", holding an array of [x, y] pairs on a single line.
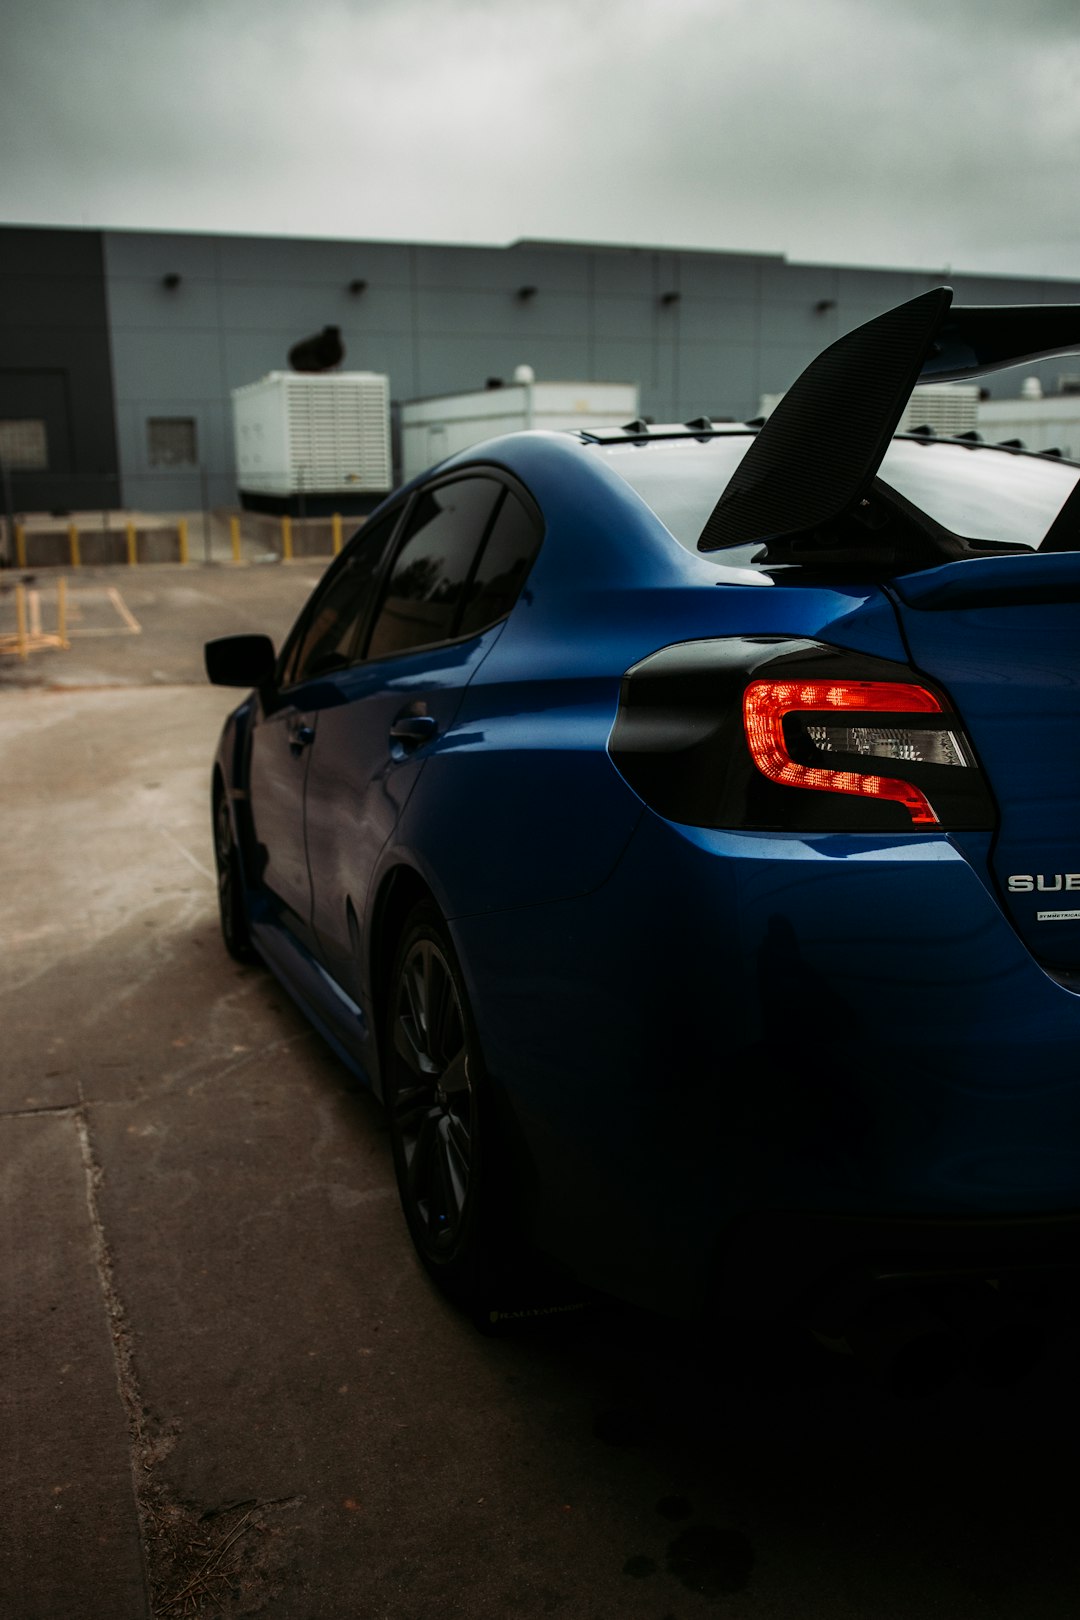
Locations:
{"points": [[337, 532], [20, 621], [234, 536], [20, 546], [181, 535], [73, 543], [61, 613], [132, 555], [286, 538]]}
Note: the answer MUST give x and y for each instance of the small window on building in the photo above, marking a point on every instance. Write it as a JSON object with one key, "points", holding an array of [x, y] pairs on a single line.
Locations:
{"points": [[172, 442], [23, 443], [1069, 383]]}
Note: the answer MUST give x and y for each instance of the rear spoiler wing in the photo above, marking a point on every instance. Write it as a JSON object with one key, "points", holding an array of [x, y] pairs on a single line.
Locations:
{"points": [[820, 450]]}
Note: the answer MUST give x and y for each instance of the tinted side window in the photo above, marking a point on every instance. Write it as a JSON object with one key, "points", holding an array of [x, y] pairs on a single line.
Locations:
{"points": [[431, 570], [326, 638], [504, 563]]}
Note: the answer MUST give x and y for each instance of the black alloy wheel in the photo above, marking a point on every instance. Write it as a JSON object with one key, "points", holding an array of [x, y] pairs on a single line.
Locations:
{"points": [[436, 1104], [234, 923]]}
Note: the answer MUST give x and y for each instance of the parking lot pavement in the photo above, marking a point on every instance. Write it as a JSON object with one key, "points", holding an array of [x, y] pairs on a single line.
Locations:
{"points": [[136, 626], [227, 1387]]}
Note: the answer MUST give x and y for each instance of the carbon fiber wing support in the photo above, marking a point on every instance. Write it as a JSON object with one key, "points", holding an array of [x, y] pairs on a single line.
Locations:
{"points": [[819, 452]]}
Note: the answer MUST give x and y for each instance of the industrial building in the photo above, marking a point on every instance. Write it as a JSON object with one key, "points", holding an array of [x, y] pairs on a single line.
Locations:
{"points": [[119, 350]]}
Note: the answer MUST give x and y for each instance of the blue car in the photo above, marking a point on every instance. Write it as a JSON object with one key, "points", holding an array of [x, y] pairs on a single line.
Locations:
{"points": [[678, 827]]}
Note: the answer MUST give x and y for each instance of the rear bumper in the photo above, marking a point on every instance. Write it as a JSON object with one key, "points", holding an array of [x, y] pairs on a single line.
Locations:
{"points": [[843, 1026]]}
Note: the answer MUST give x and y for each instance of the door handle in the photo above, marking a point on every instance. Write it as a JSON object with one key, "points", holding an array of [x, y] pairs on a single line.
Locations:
{"points": [[414, 728], [300, 737]]}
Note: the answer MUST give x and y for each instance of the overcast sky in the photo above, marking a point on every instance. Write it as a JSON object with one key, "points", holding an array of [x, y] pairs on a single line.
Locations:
{"points": [[922, 133]]}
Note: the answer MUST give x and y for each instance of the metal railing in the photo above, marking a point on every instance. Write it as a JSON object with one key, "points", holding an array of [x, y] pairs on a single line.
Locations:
{"points": [[121, 538], [50, 520]]}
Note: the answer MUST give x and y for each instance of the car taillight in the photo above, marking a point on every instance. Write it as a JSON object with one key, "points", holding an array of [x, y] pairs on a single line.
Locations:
{"points": [[812, 710], [776, 733]]}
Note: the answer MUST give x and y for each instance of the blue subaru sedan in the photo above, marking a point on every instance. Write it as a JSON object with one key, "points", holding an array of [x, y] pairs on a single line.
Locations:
{"points": [[677, 827]]}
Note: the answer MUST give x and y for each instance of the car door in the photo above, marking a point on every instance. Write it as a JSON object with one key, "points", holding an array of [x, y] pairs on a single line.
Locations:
{"points": [[437, 617], [322, 643]]}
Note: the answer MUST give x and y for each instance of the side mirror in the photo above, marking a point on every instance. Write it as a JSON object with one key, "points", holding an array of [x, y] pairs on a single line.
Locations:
{"points": [[239, 660]]}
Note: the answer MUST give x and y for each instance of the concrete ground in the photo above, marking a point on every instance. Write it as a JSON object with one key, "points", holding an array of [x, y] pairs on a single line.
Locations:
{"points": [[228, 1388]]}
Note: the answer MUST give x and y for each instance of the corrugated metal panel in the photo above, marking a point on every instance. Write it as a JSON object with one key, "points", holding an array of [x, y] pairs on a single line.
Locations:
{"points": [[334, 431], [946, 407]]}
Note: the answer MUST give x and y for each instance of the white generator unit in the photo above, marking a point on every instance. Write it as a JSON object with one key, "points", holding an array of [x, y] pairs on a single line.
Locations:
{"points": [[310, 442], [948, 408], [432, 429]]}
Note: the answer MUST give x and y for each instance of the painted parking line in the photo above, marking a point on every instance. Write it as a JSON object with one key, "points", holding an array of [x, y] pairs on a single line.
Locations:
{"points": [[89, 598]]}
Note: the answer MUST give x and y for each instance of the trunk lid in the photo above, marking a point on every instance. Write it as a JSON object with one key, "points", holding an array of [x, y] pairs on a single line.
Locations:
{"points": [[1002, 636]]}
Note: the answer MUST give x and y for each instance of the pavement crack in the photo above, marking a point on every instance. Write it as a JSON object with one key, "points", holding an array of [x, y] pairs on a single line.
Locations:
{"points": [[120, 1332], [235, 1551], [45, 1108]]}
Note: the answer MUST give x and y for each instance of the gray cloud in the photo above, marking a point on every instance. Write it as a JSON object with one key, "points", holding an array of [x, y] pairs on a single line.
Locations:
{"points": [[908, 132]]}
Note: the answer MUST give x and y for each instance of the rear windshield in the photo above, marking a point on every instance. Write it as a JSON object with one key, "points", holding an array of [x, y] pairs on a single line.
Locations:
{"points": [[977, 492]]}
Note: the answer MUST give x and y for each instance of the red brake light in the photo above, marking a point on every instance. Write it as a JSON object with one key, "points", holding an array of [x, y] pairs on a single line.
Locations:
{"points": [[765, 703]]}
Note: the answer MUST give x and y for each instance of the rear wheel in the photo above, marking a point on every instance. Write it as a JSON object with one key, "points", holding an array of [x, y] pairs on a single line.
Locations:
{"points": [[231, 907], [439, 1112]]}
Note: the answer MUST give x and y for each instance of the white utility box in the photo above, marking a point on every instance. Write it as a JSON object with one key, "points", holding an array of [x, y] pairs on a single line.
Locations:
{"points": [[432, 429], [300, 435]]}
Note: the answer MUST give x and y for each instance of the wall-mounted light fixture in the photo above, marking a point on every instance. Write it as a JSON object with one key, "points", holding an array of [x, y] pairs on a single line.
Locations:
{"points": [[823, 306], [171, 281], [670, 298], [357, 286], [525, 293]]}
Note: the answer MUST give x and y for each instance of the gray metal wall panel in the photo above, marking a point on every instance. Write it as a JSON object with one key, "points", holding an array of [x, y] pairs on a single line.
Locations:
{"points": [[441, 311], [452, 364], [626, 359], [141, 303], [616, 317], [465, 269], [716, 379], [623, 275], [154, 254], [713, 320], [796, 321], [717, 276], [303, 308], [801, 283], [177, 490], [165, 364], [388, 352], [882, 288], [324, 263], [441, 319], [550, 270]]}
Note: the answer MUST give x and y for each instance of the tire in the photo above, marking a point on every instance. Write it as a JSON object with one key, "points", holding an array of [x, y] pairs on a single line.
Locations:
{"points": [[441, 1122], [231, 907]]}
